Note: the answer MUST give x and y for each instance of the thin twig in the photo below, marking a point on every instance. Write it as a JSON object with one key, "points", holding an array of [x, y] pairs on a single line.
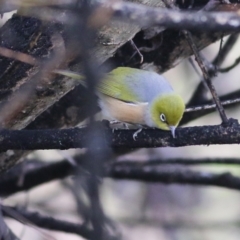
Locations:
{"points": [[220, 50], [190, 60], [206, 77], [138, 51], [211, 106], [228, 46], [47, 222], [227, 69], [179, 161], [5, 232], [199, 94], [190, 116], [23, 57]]}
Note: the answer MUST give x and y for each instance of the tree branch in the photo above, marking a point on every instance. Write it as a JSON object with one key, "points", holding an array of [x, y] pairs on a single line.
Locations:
{"points": [[5, 232], [33, 173], [170, 176], [147, 138], [191, 20], [34, 218], [206, 77], [179, 161], [200, 93], [192, 115], [36, 173], [211, 106]]}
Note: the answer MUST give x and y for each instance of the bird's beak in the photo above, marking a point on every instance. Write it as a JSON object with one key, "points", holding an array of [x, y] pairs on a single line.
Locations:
{"points": [[172, 129]]}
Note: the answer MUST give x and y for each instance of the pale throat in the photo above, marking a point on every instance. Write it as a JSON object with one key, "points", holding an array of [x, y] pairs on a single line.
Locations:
{"points": [[148, 117]]}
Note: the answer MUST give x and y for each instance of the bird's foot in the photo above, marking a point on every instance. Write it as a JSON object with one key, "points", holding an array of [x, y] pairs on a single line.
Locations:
{"points": [[112, 122], [136, 133]]}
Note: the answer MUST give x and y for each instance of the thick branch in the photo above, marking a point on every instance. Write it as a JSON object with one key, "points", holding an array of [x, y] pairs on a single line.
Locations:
{"points": [[29, 174], [147, 138], [170, 176], [37, 173], [203, 21]]}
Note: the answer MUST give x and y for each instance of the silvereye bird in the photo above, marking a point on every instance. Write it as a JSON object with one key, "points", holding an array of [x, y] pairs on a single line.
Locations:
{"points": [[137, 97]]}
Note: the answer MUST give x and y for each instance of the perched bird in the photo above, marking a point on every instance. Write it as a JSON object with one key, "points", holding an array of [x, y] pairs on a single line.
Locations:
{"points": [[137, 97]]}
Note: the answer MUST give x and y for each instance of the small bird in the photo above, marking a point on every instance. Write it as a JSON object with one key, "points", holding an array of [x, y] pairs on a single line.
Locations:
{"points": [[137, 96]]}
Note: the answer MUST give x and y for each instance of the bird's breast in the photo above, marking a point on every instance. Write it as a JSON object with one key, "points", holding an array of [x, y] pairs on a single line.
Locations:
{"points": [[114, 109]]}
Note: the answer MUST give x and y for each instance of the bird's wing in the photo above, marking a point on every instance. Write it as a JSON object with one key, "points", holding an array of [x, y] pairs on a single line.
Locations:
{"points": [[127, 84], [117, 84]]}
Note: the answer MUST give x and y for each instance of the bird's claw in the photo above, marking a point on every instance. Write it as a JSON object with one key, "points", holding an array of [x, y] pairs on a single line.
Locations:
{"points": [[136, 133]]}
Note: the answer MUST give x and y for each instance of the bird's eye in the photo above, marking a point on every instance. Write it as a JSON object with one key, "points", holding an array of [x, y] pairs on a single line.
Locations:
{"points": [[162, 117]]}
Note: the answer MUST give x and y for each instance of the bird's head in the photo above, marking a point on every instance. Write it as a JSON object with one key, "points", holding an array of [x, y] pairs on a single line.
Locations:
{"points": [[166, 111]]}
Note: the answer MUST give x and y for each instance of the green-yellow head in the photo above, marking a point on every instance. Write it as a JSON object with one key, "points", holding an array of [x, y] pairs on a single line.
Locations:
{"points": [[166, 111]]}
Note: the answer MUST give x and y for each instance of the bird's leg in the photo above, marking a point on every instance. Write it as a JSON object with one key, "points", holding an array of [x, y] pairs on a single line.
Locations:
{"points": [[140, 128], [112, 122], [115, 122], [129, 126], [136, 133]]}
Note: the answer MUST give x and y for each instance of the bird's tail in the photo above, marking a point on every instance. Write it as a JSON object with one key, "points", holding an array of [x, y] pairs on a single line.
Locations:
{"points": [[72, 75]]}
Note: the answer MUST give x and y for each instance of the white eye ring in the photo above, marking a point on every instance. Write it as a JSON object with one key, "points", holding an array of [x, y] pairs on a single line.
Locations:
{"points": [[162, 117]]}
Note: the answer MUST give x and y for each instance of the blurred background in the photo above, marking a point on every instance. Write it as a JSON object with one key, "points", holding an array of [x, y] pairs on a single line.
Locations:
{"points": [[153, 211]]}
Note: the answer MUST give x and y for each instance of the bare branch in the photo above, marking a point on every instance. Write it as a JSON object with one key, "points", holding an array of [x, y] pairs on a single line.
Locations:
{"points": [[227, 69], [199, 94], [191, 20], [37, 173], [170, 176], [206, 77], [190, 116], [147, 138], [212, 106], [179, 161], [5, 232], [48, 222]]}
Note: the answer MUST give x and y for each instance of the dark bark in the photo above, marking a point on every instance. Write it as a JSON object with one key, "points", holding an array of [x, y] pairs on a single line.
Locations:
{"points": [[34, 173], [147, 138], [46, 222]]}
